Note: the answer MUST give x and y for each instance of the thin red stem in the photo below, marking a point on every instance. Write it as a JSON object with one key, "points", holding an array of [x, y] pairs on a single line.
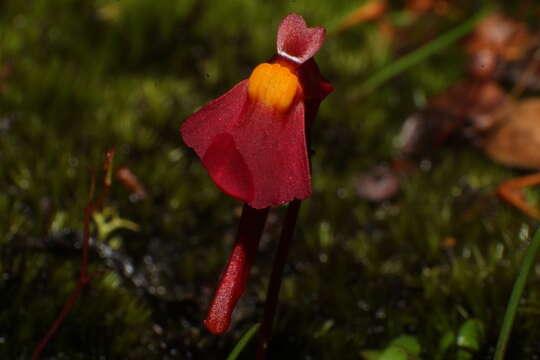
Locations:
{"points": [[84, 276], [276, 277], [88, 210], [70, 302]]}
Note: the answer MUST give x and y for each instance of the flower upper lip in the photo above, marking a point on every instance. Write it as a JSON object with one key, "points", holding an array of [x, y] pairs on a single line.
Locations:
{"points": [[296, 41]]}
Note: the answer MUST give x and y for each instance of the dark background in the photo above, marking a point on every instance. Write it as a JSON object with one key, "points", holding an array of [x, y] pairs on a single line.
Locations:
{"points": [[80, 77]]}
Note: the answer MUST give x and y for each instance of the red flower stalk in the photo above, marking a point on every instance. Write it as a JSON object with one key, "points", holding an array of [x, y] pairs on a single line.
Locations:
{"points": [[252, 141]]}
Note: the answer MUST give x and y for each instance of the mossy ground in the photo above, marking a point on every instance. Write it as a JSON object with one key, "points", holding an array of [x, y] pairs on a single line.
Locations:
{"points": [[86, 76]]}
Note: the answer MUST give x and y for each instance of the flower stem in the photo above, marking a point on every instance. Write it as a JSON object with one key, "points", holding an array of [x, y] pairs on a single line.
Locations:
{"points": [[70, 302], [517, 291], [84, 275], [275, 279]]}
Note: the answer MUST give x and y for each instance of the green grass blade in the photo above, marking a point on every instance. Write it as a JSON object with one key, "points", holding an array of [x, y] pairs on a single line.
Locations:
{"points": [[417, 56], [517, 291], [243, 342]]}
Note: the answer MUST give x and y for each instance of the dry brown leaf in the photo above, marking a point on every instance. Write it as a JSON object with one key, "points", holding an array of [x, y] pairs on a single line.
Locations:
{"points": [[504, 37], [516, 141]]}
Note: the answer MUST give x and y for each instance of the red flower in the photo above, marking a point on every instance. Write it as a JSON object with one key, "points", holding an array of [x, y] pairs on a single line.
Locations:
{"points": [[252, 141]]}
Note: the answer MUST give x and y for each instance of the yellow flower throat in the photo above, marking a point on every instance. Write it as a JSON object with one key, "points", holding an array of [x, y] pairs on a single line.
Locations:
{"points": [[274, 85]]}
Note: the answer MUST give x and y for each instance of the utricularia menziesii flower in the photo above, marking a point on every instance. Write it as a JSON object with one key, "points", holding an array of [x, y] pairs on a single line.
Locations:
{"points": [[253, 142]]}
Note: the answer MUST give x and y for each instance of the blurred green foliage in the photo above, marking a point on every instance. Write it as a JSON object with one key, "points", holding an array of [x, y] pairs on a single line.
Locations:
{"points": [[82, 76]]}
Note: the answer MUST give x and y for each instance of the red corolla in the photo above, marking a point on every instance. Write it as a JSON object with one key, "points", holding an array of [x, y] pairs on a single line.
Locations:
{"points": [[253, 142]]}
